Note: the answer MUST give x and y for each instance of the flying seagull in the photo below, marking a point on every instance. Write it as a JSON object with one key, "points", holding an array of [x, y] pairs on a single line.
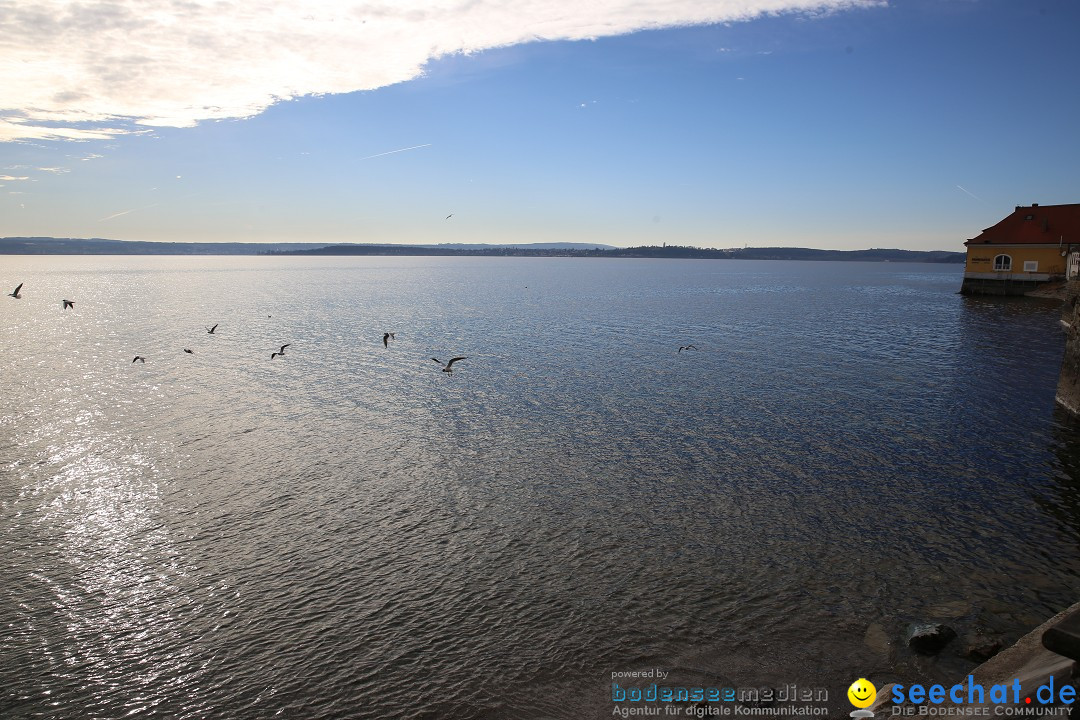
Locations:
{"points": [[16, 294], [139, 358], [189, 352], [686, 347], [211, 330], [387, 336], [449, 216], [447, 368], [69, 304]]}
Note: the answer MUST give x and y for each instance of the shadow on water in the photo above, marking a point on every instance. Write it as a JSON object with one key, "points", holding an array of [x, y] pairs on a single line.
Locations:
{"points": [[1010, 351], [992, 314], [1061, 500]]}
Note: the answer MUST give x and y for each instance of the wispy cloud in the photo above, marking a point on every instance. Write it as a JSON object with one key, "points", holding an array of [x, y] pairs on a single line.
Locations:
{"points": [[14, 125], [391, 152], [53, 170], [84, 70], [9, 178]]}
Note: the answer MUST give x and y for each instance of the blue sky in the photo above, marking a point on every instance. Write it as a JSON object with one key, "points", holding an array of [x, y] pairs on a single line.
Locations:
{"points": [[833, 125]]}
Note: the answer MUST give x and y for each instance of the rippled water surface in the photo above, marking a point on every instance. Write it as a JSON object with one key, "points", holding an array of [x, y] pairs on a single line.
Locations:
{"points": [[346, 531]]}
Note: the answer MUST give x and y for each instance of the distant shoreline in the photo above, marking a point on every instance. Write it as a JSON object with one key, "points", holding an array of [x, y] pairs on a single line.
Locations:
{"points": [[99, 246], [651, 251]]}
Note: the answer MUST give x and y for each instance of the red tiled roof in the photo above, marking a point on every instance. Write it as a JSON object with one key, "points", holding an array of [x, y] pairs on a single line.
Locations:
{"points": [[1037, 224]]}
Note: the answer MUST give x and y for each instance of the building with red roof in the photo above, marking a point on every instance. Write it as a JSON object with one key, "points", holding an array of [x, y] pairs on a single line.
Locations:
{"points": [[1032, 246]]}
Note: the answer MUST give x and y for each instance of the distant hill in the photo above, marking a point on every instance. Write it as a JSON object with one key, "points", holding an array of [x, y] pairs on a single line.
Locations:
{"points": [[101, 246], [524, 246], [532, 250]]}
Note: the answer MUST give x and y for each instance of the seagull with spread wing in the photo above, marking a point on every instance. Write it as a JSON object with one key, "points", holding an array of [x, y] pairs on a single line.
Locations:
{"points": [[447, 367]]}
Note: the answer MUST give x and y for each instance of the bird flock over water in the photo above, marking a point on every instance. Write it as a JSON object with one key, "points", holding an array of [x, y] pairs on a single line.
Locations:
{"points": [[446, 367], [212, 330]]}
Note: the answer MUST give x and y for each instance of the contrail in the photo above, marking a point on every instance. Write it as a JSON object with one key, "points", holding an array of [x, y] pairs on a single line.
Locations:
{"points": [[391, 152], [125, 212], [116, 215], [973, 195], [147, 207]]}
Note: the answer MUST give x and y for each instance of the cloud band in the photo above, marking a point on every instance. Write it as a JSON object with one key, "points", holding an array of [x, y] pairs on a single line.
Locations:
{"points": [[84, 70]]}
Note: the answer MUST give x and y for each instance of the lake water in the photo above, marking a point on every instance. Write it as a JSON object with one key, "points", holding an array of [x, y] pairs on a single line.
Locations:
{"points": [[347, 532]]}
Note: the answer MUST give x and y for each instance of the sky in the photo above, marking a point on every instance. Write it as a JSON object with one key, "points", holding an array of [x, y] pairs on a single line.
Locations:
{"points": [[842, 124]]}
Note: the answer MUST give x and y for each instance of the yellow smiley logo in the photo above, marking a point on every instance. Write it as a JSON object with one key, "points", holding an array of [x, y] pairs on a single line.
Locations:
{"points": [[861, 693]]}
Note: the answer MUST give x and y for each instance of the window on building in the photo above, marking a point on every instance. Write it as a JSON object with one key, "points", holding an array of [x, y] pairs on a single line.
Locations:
{"points": [[1003, 262], [1031, 266]]}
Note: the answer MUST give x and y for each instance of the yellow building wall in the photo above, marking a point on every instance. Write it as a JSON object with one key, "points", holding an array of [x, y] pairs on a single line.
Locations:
{"points": [[980, 258]]}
